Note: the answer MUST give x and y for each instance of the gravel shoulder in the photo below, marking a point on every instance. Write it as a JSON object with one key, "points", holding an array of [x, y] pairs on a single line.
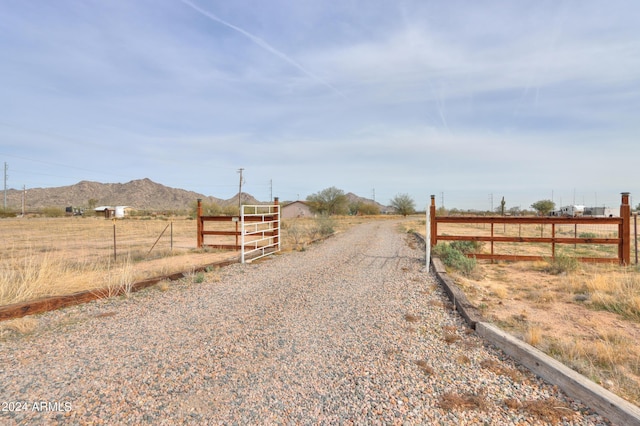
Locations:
{"points": [[351, 331]]}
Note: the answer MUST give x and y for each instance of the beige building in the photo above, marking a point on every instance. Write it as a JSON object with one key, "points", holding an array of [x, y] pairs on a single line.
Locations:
{"points": [[296, 209]]}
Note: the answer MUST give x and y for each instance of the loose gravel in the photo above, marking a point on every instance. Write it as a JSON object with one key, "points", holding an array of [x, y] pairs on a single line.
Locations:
{"points": [[352, 330]]}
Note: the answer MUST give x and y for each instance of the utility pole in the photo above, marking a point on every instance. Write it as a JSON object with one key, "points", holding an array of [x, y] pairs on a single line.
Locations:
{"points": [[270, 189], [24, 197], [374, 195], [442, 200], [491, 199], [240, 192]]}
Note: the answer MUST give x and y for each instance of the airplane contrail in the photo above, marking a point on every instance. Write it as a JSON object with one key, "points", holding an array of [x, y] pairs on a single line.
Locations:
{"points": [[263, 44]]}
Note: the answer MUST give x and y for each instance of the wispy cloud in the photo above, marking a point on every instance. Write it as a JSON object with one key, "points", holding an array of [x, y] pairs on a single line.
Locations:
{"points": [[264, 45]]}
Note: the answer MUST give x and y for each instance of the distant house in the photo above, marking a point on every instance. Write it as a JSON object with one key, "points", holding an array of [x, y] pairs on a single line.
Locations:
{"points": [[296, 209], [111, 212]]}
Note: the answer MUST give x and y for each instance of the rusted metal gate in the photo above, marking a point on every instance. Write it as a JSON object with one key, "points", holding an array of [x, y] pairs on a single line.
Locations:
{"points": [[622, 240]]}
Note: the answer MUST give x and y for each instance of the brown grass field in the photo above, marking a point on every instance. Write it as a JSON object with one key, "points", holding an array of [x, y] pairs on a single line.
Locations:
{"points": [[587, 316]]}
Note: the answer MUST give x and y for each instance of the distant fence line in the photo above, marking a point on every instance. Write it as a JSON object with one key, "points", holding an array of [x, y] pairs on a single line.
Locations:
{"points": [[621, 224]]}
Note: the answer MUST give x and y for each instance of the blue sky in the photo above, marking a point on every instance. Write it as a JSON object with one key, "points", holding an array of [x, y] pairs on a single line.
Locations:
{"points": [[470, 101]]}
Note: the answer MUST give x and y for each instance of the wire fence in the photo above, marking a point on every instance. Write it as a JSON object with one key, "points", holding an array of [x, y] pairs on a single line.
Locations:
{"points": [[91, 239]]}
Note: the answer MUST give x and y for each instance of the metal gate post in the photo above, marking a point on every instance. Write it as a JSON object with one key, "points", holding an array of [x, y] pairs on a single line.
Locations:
{"points": [[242, 233], [199, 220], [276, 240], [428, 240], [434, 221], [625, 228]]}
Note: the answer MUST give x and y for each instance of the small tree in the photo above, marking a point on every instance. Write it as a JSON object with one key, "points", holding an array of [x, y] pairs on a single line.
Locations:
{"points": [[359, 207], [403, 204], [543, 207], [515, 211], [329, 201]]}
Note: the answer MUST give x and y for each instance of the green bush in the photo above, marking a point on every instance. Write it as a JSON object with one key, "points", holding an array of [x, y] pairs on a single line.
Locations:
{"points": [[467, 247], [455, 258]]}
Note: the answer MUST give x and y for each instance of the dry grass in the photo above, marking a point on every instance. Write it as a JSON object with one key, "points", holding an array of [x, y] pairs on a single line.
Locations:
{"points": [[424, 367], [17, 326], [468, 401], [411, 318], [549, 410]]}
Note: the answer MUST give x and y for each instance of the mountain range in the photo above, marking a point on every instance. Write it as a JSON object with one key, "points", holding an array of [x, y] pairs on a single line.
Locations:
{"points": [[143, 194]]}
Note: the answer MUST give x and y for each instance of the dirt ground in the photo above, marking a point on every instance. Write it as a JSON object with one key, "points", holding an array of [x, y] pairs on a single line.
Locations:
{"points": [[536, 307]]}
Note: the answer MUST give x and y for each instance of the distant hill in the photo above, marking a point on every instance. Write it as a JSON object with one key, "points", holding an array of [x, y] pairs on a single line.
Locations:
{"points": [[143, 194], [353, 198]]}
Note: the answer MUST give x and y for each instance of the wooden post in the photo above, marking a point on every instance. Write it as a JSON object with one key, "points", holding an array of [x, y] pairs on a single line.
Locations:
{"points": [[199, 220], [434, 222], [625, 230]]}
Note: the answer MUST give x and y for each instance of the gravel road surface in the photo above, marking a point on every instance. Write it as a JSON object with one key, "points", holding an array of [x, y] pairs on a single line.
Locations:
{"points": [[351, 331]]}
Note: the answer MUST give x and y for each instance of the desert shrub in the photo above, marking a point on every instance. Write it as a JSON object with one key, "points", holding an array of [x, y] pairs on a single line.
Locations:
{"points": [[561, 264], [455, 258], [325, 225], [467, 247], [587, 235], [367, 209]]}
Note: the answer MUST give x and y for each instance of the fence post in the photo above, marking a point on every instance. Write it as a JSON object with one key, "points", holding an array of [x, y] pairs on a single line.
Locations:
{"points": [[199, 220], [635, 234], [434, 222], [115, 251], [625, 237], [241, 234]]}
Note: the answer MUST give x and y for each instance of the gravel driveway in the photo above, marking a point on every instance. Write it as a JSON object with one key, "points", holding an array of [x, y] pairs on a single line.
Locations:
{"points": [[351, 331]]}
